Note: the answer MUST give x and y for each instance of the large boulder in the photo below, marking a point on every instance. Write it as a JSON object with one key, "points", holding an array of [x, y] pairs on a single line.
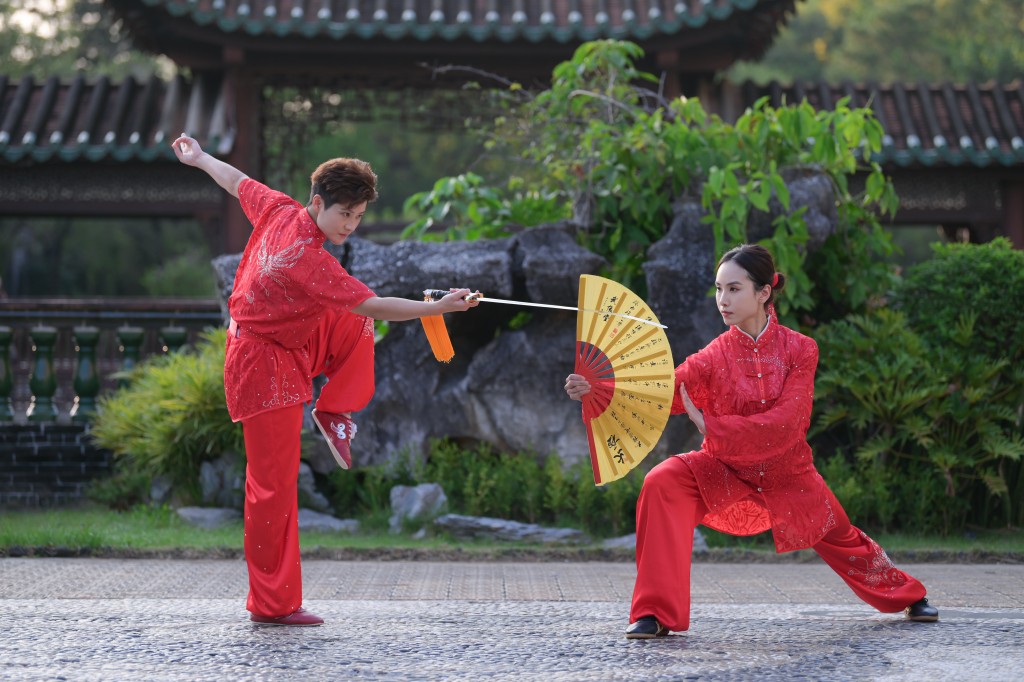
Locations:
{"points": [[504, 386]]}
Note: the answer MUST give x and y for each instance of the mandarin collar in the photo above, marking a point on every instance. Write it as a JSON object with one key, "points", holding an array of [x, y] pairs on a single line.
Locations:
{"points": [[745, 340], [309, 227]]}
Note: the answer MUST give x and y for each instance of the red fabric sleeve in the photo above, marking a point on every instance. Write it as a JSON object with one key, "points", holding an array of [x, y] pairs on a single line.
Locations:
{"points": [[746, 441], [332, 285], [695, 373], [259, 202]]}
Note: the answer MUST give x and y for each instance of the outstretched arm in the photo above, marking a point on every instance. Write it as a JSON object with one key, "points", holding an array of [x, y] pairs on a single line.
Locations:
{"points": [[190, 153], [401, 309]]}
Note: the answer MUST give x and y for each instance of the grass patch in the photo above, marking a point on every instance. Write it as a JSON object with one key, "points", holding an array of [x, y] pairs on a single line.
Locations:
{"points": [[96, 530]]}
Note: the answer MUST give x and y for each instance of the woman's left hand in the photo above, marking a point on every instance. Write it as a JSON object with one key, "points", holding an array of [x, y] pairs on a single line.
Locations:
{"points": [[691, 410]]}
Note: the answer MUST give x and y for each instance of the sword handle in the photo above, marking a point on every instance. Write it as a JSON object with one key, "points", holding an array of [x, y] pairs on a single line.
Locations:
{"points": [[437, 294]]}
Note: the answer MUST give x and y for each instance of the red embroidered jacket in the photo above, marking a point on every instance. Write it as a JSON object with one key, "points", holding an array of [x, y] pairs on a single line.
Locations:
{"points": [[284, 282], [755, 469]]}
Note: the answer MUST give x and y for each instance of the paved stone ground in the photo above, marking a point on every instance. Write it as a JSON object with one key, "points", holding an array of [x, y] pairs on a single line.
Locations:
{"points": [[106, 619]]}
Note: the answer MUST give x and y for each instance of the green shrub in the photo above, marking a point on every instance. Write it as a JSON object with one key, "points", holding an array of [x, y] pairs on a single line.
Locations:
{"points": [[921, 424], [471, 210], [484, 482], [172, 416], [987, 279]]}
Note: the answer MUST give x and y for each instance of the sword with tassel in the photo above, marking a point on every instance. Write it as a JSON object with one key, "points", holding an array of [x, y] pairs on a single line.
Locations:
{"points": [[437, 333]]}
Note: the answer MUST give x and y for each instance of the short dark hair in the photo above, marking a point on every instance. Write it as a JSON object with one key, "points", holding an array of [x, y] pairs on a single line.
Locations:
{"points": [[343, 181], [760, 267]]}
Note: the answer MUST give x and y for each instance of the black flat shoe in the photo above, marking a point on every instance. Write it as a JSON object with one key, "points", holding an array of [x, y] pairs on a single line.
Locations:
{"points": [[922, 612], [647, 627]]}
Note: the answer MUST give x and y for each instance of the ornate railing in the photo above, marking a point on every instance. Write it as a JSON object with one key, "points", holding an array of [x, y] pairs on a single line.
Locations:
{"points": [[57, 356]]}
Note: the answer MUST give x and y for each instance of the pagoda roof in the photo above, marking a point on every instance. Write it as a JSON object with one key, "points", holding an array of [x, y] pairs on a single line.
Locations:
{"points": [[383, 40], [944, 124], [446, 20], [101, 120]]}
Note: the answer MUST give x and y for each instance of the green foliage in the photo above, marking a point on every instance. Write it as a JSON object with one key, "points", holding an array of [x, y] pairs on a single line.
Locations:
{"points": [[187, 275], [83, 257], [471, 210], [982, 278], [932, 415], [172, 416], [620, 155], [42, 39], [126, 488], [895, 40]]}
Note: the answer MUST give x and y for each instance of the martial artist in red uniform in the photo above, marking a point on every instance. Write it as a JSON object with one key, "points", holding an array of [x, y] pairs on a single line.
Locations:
{"points": [[296, 313], [749, 392]]}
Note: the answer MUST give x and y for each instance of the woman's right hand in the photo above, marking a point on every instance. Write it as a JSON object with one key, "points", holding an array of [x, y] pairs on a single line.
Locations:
{"points": [[576, 386]]}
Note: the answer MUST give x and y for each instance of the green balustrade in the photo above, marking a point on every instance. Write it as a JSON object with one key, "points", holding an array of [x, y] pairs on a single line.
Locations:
{"points": [[131, 339], [173, 337], [87, 377], [43, 380]]}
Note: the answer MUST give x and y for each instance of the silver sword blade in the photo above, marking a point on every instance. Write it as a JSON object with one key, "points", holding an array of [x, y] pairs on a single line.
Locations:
{"points": [[488, 299]]}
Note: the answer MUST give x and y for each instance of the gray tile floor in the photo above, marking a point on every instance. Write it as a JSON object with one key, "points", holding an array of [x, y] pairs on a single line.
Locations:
{"points": [[109, 619]]}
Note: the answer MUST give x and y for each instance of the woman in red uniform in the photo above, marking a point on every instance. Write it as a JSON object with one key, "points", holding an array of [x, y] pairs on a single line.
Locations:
{"points": [[749, 392]]}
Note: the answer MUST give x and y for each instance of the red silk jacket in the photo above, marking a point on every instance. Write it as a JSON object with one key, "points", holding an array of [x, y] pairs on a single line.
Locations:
{"points": [[755, 469], [284, 282]]}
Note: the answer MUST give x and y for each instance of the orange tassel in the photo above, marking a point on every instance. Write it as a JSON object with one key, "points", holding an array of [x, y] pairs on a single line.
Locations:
{"points": [[437, 335]]}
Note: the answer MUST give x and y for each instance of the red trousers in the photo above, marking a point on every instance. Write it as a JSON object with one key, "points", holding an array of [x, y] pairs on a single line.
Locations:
{"points": [[341, 349], [670, 507]]}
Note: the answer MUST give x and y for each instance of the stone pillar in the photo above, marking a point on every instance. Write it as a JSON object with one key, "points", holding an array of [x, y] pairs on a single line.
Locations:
{"points": [[43, 381], [87, 378]]}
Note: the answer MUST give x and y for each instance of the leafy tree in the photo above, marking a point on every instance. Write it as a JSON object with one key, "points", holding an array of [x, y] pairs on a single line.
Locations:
{"points": [[63, 37], [896, 40], [73, 257], [620, 155]]}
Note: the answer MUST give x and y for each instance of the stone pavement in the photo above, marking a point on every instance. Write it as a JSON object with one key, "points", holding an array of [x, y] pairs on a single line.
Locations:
{"points": [[143, 619]]}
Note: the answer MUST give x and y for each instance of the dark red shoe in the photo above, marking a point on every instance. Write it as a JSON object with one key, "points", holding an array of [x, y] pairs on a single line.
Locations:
{"points": [[339, 430], [300, 618]]}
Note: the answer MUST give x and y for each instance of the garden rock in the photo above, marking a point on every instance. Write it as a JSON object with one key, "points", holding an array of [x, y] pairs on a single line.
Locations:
{"points": [[209, 517], [313, 521], [700, 544], [485, 528], [222, 481], [160, 489], [621, 542], [308, 494], [629, 542], [415, 503]]}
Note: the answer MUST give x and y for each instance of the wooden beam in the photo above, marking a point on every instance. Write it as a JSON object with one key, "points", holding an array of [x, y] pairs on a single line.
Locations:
{"points": [[246, 151], [1013, 212]]}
